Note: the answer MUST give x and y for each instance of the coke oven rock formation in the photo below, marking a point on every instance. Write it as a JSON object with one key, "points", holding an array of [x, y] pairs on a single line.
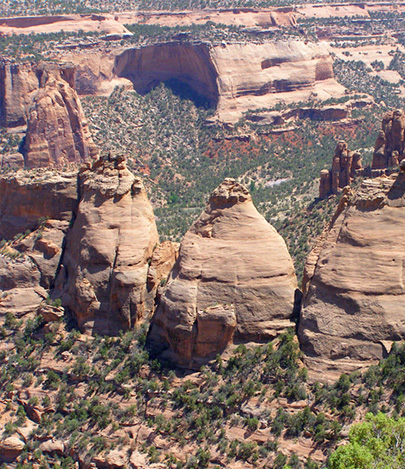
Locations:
{"points": [[105, 265], [90, 245], [234, 280], [389, 146], [57, 131], [346, 165], [354, 306]]}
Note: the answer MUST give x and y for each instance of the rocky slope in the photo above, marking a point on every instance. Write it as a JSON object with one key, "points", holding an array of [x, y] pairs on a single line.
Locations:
{"points": [[57, 131], [354, 306], [234, 281], [105, 265]]}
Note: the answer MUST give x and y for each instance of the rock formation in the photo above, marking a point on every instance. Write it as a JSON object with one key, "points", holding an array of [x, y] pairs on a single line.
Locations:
{"points": [[389, 146], [354, 304], [18, 85], [26, 199], [235, 77], [105, 265], [233, 280], [346, 165], [57, 131], [94, 255], [35, 213]]}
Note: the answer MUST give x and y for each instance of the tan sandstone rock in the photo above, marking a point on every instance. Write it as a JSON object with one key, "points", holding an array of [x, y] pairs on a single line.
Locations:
{"points": [[346, 165], [354, 303], [57, 131], [233, 280], [389, 146], [104, 274], [10, 448]]}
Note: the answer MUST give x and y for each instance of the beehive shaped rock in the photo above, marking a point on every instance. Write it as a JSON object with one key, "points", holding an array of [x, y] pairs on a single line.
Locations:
{"points": [[105, 265], [234, 280], [355, 295]]}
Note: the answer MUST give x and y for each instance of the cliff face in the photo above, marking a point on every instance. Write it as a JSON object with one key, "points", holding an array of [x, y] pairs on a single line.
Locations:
{"points": [[354, 306], [390, 143], [234, 280], [18, 84], [57, 131], [188, 63], [104, 275], [38, 208], [260, 75], [235, 77]]}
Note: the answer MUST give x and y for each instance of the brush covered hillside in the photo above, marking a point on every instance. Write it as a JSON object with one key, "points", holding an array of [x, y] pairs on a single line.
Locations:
{"points": [[186, 278]]}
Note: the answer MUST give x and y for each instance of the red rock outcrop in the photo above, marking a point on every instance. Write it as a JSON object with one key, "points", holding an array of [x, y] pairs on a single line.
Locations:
{"points": [[354, 304], [57, 131], [18, 85], [389, 146], [233, 280], [103, 280], [346, 165]]}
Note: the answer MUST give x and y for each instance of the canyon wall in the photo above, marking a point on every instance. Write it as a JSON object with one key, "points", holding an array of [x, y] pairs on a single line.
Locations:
{"points": [[235, 77]]}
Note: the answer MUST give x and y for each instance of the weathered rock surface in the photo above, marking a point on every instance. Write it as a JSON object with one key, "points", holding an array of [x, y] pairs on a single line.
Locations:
{"points": [[389, 146], [233, 280], [10, 448], [105, 264], [21, 292], [163, 259], [235, 77], [35, 213], [354, 305], [26, 198], [18, 85], [346, 165], [57, 131]]}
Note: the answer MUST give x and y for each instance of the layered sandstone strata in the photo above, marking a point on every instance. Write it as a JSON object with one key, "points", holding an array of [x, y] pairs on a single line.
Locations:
{"points": [[235, 77], [104, 275], [346, 165], [389, 146], [234, 281], [35, 214], [57, 131], [354, 305]]}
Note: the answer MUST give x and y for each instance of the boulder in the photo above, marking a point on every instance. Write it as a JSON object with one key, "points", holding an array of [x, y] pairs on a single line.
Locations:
{"points": [[103, 280], [10, 449], [354, 302], [233, 281]]}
